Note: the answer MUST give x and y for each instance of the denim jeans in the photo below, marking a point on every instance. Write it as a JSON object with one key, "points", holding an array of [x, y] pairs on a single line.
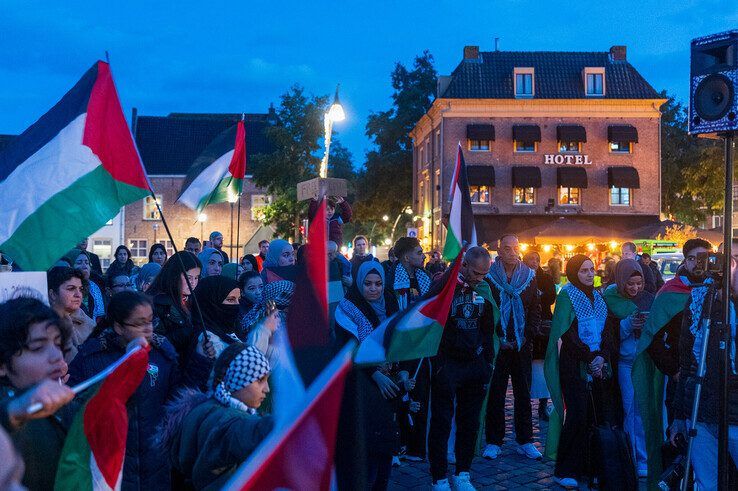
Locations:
{"points": [[632, 423], [705, 454]]}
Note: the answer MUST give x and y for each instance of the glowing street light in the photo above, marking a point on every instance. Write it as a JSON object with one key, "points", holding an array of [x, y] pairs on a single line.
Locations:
{"points": [[334, 114], [385, 218], [202, 218]]}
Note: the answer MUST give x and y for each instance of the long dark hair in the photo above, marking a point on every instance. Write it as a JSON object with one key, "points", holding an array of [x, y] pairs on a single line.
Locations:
{"points": [[122, 304], [153, 248], [128, 251], [168, 280]]}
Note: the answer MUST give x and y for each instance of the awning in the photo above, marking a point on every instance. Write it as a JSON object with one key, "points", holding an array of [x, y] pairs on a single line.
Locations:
{"points": [[622, 133], [623, 177], [480, 175], [480, 132], [524, 176], [571, 177], [527, 133], [571, 133]]}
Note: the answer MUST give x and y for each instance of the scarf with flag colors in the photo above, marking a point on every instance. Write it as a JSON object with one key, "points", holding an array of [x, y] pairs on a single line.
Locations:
{"points": [[93, 453], [460, 231], [412, 333], [217, 174], [69, 173]]}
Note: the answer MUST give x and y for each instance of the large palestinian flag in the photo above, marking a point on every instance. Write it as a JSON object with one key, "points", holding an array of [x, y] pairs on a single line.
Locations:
{"points": [[412, 333], [217, 174], [93, 453], [68, 174], [460, 231]]}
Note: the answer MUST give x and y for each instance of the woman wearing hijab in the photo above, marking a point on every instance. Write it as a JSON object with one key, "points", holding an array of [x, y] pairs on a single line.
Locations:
{"points": [[628, 305], [212, 262], [260, 323], [280, 256], [146, 276], [208, 435], [582, 367], [217, 300], [158, 254], [122, 265], [366, 305]]}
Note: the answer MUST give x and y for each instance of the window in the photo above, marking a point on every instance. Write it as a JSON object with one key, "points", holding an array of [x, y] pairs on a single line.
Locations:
{"points": [[258, 203], [522, 147], [479, 145], [168, 246], [151, 212], [620, 147], [570, 147], [594, 84], [569, 196], [524, 83], [524, 196], [421, 161], [104, 249], [437, 142], [620, 196], [139, 250], [479, 194]]}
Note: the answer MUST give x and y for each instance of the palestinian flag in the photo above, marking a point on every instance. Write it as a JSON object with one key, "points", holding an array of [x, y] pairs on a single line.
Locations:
{"points": [[617, 304], [93, 453], [414, 332], [68, 174], [218, 173], [460, 231], [648, 380]]}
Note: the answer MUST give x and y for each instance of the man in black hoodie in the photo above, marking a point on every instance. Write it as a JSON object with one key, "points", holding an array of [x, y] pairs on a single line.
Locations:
{"points": [[461, 371]]}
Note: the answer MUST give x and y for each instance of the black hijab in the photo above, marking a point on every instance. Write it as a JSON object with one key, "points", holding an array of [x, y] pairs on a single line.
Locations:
{"points": [[210, 293], [572, 270]]}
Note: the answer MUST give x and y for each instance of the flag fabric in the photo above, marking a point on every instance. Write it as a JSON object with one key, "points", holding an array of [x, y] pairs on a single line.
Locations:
{"points": [[68, 174], [460, 231], [300, 455], [95, 447], [414, 332], [217, 174]]}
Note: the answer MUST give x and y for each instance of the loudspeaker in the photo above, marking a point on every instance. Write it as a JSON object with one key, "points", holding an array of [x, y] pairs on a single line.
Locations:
{"points": [[713, 102]]}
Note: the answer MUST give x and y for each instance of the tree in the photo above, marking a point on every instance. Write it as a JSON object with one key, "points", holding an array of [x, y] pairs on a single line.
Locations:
{"points": [[297, 142], [385, 184], [678, 233]]}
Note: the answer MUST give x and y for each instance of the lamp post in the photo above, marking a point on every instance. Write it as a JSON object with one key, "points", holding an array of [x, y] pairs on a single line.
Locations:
{"points": [[232, 198], [202, 218], [407, 211], [334, 114]]}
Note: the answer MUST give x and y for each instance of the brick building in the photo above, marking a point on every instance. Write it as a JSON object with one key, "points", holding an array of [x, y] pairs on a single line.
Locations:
{"points": [[545, 135], [168, 147]]}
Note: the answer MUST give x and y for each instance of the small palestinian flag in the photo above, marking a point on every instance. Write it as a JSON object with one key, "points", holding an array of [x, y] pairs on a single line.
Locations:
{"points": [[218, 173], [68, 174], [460, 230], [413, 333], [93, 453]]}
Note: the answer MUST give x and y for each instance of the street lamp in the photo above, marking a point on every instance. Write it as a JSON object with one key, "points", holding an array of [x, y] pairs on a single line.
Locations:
{"points": [[407, 211], [335, 113], [385, 218], [202, 218]]}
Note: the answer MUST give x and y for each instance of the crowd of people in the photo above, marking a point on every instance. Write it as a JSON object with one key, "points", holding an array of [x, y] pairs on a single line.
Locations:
{"points": [[562, 339]]}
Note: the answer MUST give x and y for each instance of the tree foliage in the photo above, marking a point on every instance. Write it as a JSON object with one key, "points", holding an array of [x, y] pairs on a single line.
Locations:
{"points": [[385, 184], [678, 233]]}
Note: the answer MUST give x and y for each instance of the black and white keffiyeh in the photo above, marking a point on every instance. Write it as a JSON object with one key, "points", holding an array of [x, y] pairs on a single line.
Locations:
{"points": [[279, 292], [590, 317], [248, 366], [401, 285]]}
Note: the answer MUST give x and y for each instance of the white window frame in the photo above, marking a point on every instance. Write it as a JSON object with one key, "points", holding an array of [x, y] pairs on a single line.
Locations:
{"points": [[524, 71], [134, 249], [630, 197], [480, 189], [525, 191], [147, 203], [479, 147], [569, 190], [168, 246], [594, 71]]}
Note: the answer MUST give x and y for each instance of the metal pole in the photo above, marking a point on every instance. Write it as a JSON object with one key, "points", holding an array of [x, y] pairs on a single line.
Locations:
{"points": [[231, 244], [723, 463], [238, 231]]}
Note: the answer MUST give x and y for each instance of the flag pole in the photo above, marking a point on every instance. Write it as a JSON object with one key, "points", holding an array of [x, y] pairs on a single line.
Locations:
{"points": [[231, 244], [238, 231]]}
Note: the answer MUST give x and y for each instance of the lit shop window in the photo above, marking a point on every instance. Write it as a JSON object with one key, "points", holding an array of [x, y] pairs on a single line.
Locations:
{"points": [[524, 196], [620, 196], [570, 147], [569, 196], [479, 194]]}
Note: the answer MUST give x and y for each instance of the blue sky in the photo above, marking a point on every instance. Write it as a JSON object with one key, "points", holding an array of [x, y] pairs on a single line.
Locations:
{"points": [[239, 56]]}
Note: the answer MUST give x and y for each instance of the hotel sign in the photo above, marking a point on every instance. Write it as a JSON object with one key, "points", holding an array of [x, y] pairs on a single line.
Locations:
{"points": [[559, 159]]}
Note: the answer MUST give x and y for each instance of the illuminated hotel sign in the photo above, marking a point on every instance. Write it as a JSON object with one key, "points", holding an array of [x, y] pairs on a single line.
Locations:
{"points": [[560, 159]]}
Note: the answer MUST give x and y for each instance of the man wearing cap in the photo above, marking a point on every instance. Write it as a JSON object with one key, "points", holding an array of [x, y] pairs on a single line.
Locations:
{"points": [[216, 239]]}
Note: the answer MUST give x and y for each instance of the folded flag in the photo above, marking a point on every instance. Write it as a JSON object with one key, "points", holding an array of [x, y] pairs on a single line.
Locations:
{"points": [[93, 453], [68, 174], [414, 332], [460, 230], [217, 174]]}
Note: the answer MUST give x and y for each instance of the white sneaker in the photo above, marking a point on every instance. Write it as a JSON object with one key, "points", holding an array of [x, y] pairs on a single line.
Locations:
{"points": [[491, 451], [462, 482], [441, 485], [566, 482], [451, 457], [530, 451]]}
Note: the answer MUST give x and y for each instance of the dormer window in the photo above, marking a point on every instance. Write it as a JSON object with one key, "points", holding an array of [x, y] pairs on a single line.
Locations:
{"points": [[594, 81], [524, 82]]}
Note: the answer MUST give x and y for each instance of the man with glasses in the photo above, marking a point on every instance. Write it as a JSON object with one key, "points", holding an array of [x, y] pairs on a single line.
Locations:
{"points": [[120, 283], [462, 369]]}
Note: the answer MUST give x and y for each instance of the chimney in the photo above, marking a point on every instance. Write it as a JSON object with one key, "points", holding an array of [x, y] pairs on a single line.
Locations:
{"points": [[471, 52], [617, 53]]}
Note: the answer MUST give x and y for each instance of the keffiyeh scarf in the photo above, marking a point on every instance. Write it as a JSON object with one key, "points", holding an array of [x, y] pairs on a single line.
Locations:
{"points": [[510, 301], [402, 284], [353, 320], [279, 292], [248, 366], [590, 318]]}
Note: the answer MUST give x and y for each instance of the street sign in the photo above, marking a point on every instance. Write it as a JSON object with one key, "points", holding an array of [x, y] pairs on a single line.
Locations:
{"points": [[412, 232]]}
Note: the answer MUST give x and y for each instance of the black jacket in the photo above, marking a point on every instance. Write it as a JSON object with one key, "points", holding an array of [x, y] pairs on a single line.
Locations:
{"points": [[174, 323], [575, 354], [547, 295]]}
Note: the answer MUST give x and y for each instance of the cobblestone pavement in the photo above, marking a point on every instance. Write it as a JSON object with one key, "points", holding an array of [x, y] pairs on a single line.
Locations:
{"points": [[510, 471]]}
